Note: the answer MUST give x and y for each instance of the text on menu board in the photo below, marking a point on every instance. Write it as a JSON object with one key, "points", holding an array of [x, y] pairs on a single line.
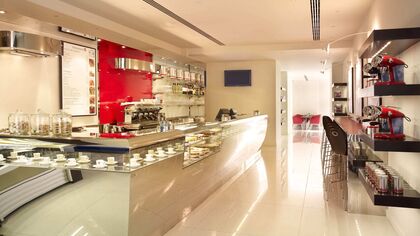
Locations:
{"points": [[78, 80]]}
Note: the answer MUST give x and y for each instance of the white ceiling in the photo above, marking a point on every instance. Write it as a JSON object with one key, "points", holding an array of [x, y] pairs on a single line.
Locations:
{"points": [[238, 22], [234, 22], [263, 29]]}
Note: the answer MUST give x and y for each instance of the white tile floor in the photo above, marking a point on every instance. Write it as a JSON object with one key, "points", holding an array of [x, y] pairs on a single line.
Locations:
{"points": [[280, 195]]}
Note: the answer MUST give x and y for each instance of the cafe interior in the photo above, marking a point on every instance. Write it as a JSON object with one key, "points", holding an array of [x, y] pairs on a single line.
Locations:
{"points": [[194, 117]]}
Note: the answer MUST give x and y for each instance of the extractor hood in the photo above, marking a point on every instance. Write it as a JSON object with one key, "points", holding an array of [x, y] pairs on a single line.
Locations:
{"points": [[29, 44]]}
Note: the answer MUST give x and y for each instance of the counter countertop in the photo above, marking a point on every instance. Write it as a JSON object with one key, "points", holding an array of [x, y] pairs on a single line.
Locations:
{"points": [[349, 125]]}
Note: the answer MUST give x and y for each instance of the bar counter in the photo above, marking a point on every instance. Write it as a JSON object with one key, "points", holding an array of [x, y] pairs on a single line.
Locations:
{"points": [[148, 200]]}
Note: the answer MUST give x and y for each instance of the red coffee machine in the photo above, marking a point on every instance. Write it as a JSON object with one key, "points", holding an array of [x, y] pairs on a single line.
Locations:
{"points": [[391, 123], [390, 66]]}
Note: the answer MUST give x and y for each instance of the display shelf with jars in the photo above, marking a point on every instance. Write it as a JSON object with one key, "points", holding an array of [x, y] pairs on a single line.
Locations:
{"points": [[385, 187]]}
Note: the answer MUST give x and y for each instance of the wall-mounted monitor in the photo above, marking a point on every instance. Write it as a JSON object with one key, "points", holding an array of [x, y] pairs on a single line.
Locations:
{"points": [[235, 78]]}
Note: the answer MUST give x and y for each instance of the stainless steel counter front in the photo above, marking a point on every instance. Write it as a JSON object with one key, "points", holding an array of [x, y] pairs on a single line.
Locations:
{"points": [[147, 201]]}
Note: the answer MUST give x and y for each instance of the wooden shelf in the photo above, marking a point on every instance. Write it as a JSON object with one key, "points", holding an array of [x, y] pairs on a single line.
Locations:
{"points": [[339, 114], [391, 90], [410, 198], [339, 99], [409, 144], [339, 84], [400, 39]]}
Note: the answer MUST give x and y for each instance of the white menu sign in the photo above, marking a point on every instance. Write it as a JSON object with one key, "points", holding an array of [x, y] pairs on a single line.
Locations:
{"points": [[78, 80]]}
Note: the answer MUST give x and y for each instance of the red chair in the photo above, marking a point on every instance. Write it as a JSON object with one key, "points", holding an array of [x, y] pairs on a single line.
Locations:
{"points": [[298, 120], [315, 121]]}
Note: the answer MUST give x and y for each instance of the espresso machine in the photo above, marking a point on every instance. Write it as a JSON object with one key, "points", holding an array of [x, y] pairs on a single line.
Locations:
{"points": [[371, 70], [391, 69], [138, 116], [389, 121]]}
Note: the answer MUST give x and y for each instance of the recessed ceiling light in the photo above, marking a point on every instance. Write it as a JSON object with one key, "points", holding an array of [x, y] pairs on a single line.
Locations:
{"points": [[2, 12]]}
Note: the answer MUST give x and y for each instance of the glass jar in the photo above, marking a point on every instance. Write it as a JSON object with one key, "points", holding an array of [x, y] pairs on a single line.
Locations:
{"points": [[19, 123], [40, 123], [61, 124]]}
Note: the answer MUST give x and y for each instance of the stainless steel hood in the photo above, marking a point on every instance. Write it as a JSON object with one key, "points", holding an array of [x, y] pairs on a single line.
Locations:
{"points": [[29, 44], [132, 64]]}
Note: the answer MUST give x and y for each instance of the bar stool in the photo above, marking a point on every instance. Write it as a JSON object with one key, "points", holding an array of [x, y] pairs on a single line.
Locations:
{"points": [[334, 158]]}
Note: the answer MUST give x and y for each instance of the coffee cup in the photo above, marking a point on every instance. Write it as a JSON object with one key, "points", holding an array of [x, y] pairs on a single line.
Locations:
{"points": [[13, 155], [37, 155], [100, 163], [1, 157], [149, 156], [60, 157], [151, 151], [133, 162], [110, 159], [71, 160], [136, 156], [161, 152], [22, 158], [159, 149], [46, 159], [84, 158], [170, 149]]}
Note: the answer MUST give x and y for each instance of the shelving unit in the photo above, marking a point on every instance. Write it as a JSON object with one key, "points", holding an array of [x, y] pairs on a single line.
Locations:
{"points": [[392, 42], [283, 103], [339, 99], [409, 144], [394, 90], [410, 198], [339, 89]]}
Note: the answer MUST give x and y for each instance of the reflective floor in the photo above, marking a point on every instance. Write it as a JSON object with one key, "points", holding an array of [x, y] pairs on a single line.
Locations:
{"points": [[282, 194]]}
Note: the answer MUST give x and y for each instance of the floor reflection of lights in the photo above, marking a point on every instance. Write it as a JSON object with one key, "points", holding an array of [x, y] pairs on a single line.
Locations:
{"points": [[282, 194], [262, 177]]}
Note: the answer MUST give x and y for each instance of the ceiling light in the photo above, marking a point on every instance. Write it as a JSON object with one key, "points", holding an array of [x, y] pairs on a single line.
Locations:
{"points": [[123, 46], [99, 40], [2, 12], [383, 48]]}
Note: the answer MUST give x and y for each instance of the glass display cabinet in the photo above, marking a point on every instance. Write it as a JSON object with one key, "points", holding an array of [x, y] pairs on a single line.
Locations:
{"points": [[202, 143], [148, 181]]}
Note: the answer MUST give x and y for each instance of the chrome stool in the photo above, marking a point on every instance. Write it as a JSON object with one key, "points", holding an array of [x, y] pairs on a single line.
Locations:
{"points": [[334, 159]]}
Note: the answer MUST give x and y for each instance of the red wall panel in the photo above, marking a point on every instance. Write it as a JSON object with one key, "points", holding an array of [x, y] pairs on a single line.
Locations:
{"points": [[116, 85]]}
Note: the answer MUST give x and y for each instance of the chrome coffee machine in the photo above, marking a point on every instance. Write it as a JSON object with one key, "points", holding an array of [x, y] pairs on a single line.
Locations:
{"points": [[137, 116]]}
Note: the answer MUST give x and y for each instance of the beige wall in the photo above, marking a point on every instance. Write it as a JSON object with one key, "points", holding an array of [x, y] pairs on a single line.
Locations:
{"points": [[29, 83], [260, 96], [386, 14]]}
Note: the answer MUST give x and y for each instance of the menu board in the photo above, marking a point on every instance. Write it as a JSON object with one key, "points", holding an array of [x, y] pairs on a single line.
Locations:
{"points": [[78, 80]]}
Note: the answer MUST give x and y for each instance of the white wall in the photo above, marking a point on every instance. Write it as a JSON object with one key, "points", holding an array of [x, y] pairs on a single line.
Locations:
{"points": [[387, 14], [312, 96], [260, 96], [408, 164], [29, 83]]}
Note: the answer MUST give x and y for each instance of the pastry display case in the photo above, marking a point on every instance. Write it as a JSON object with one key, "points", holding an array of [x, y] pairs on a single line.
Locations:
{"points": [[202, 143], [79, 154]]}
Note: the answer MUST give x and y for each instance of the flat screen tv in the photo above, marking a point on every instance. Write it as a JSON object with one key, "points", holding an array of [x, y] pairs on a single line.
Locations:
{"points": [[235, 78]]}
